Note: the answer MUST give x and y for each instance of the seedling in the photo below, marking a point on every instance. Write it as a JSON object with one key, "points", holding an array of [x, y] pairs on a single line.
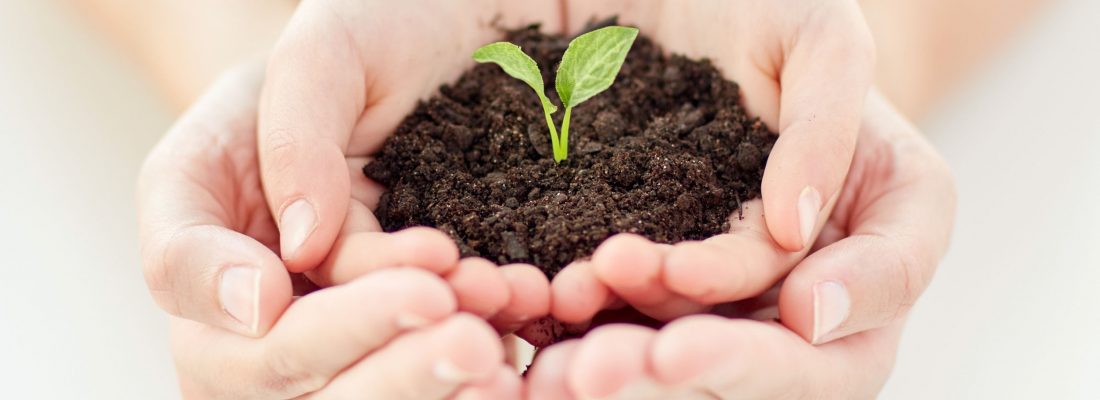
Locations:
{"points": [[588, 67]]}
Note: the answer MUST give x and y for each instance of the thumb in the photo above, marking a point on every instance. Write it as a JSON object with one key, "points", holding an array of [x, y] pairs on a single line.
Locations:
{"points": [[903, 217], [308, 108], [824, 81], [196, 266]]}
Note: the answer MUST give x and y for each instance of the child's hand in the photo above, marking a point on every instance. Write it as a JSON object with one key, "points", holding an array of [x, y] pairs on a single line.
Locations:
{"points": [[804, 67], [206, 238], [875, 256]]}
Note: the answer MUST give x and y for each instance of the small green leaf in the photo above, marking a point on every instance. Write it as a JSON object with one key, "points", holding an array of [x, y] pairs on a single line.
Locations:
{"points": [[518, 65], [591, 63]]}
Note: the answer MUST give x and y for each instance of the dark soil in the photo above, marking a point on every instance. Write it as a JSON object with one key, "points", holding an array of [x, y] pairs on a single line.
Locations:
{"points": [[667, 152]]}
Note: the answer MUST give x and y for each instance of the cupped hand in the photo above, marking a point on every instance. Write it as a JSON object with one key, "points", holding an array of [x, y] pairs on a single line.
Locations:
{"points": [[804, 67], [851, 295], [207, 239], [340, 79]]}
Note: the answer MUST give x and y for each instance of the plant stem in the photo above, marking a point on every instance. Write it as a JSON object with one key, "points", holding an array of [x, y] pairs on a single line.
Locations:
{"points": [[564, 140], [553, 135]]}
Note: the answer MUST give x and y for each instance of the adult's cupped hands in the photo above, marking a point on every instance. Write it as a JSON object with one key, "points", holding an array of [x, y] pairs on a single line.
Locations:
{"points": [[303, 157], [876, 254]]}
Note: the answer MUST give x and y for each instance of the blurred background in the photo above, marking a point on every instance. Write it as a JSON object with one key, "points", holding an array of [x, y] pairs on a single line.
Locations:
{"points": [[1007, 90]]}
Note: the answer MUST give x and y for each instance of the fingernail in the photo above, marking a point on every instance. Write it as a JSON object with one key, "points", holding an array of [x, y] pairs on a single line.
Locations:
{"points": [[809, 205], [447, 371], [408, 321], [831, 307], [296, 224], [239, 293]]}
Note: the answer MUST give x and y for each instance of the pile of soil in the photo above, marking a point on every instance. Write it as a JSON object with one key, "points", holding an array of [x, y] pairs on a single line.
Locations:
{"points": [[667, 153]]}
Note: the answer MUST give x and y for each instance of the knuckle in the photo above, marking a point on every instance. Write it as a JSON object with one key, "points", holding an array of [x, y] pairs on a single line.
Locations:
{"points": [[280, 149], [913, 276], [157, 273]]}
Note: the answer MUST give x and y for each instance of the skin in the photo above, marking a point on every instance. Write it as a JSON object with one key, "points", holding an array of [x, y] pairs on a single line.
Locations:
{"points": [[201, 211], [821, 54], [312, 125], [919, 60], [315, 130], [880, 242]]}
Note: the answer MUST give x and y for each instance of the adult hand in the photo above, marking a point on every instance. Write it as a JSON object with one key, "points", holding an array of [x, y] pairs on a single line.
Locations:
{"points": [[804, 67], [207, 237], [340, 79], [877, 253]]}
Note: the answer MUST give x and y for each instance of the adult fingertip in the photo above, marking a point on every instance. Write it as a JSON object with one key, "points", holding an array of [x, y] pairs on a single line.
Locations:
{"points": [[219, 277], [297, 222], [809, 208], [239, 295], [831, 307]]}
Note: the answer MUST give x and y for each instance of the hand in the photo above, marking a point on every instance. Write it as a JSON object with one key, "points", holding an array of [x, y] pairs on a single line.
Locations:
{"points": [[341, 77], [804, 67], [875, 256], [206, 237]]}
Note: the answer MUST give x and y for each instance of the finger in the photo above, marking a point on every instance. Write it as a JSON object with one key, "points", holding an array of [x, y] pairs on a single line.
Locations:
{"points": [[529, 299], [872, 277], [546, 380], [309, 106], [219, 277], [631, 266], [612, 360], [824, 79], [759, 360], [480, 287], [432, 363], [363, 252], [196, 266], [729, 267], [576, 295], [318, 336], [505, 384], [363, 189]]}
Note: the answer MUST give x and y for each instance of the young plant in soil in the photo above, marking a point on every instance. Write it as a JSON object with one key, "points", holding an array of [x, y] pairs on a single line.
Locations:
{"points": [[587, 68], [667, 152]]}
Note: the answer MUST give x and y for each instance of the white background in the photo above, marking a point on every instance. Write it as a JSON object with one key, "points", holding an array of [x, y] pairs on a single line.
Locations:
{"points": [[1014, 312]]}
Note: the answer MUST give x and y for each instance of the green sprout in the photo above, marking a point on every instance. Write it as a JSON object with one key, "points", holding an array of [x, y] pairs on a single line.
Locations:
{"points": [[588, 67]]}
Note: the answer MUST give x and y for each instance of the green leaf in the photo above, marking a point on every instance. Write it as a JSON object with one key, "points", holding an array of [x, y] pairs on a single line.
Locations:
{"points": [[518, 65], [591, 63]]}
